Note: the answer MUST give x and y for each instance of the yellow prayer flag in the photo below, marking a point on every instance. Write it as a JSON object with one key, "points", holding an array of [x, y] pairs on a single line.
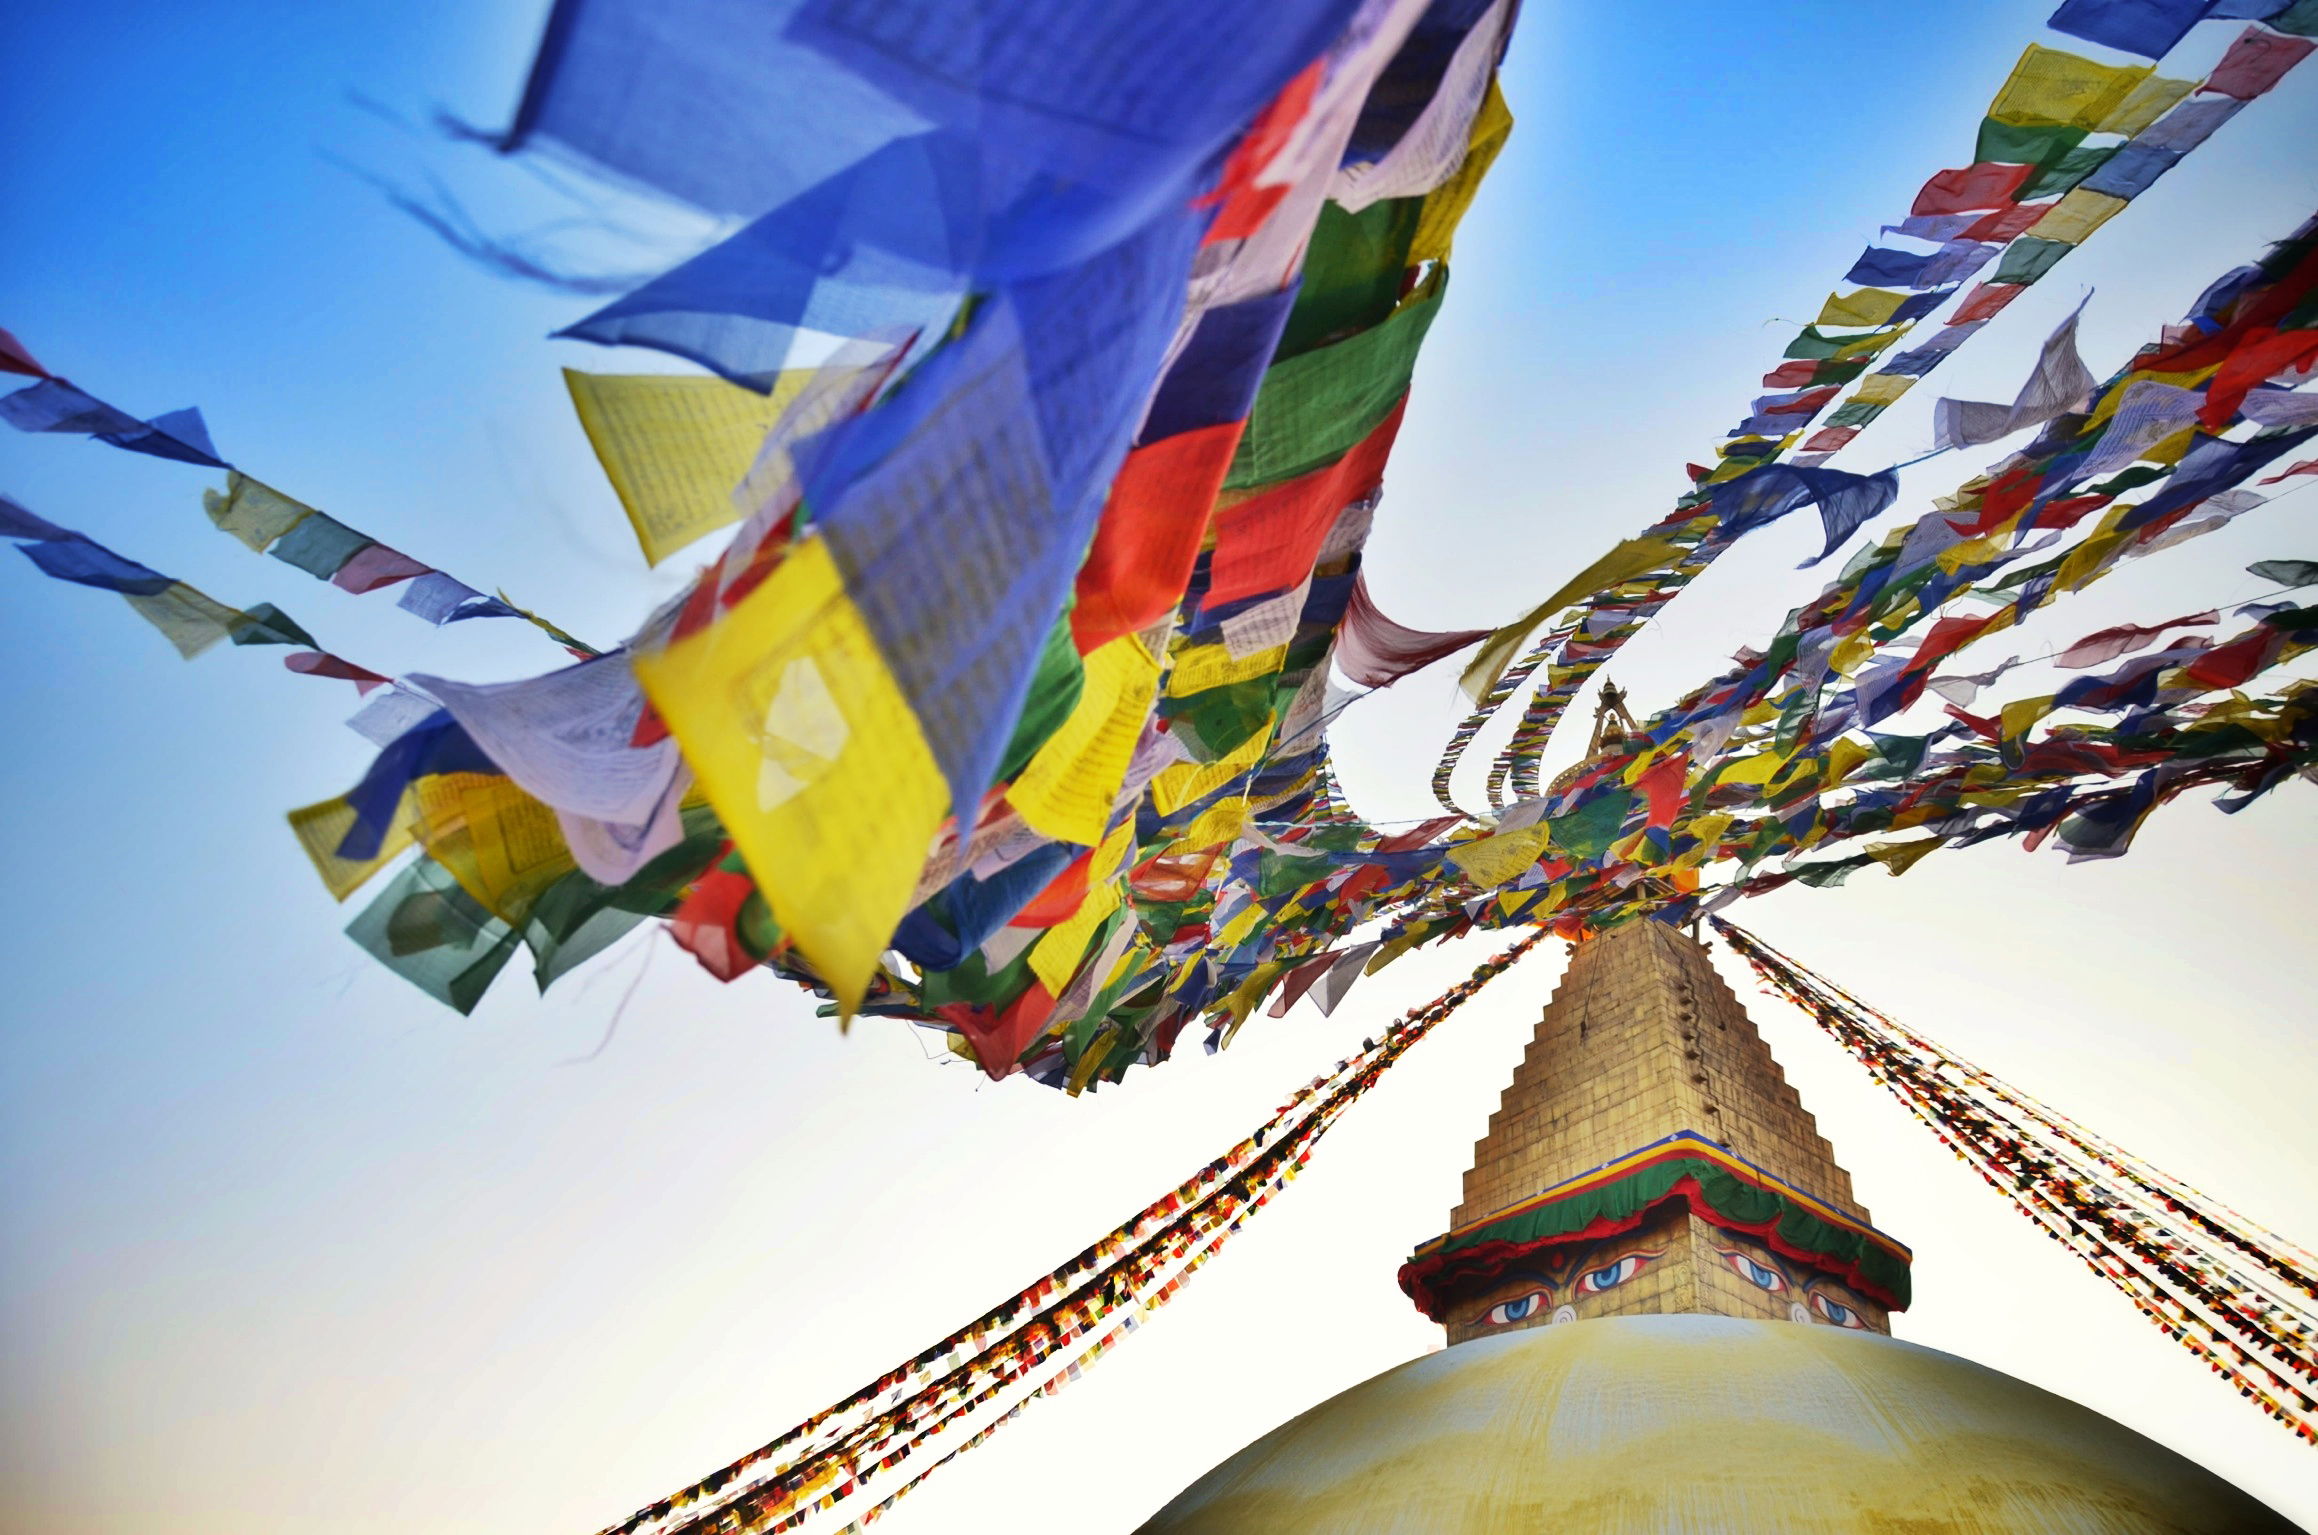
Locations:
{"points": [[1065, 791], [2015, 718], [2170, 450], [1740, 450], [1973, 551], [1759, 768], [1393, 949], [1445, 205], [1642, 763], [1242, 999], [815, 763], [504, 847], [1243, 923], [1849, 651], [188, 619], [2076, 216], [2088, 560], [2147, 101], [674, 446], [1867, 307], [1899, 857], [2050, 86], [1882, 388], [1055, 958], [252, 510], [1623, 563], [1868, 346], [1844, 758], [1218, 823], [1111, 852], [1200, 667], [1493, 860], [320, 828], [1708, 829], [1188, 783]]}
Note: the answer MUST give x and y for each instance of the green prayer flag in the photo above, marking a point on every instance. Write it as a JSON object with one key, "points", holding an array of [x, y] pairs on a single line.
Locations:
{"points": [[2029, 258], [1352, 272], [1588, 831], [2003, 143], [1314, 409]]}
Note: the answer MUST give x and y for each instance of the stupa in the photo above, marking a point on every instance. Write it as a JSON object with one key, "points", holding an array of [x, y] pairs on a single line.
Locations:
{"points": [[1666, 1311]]}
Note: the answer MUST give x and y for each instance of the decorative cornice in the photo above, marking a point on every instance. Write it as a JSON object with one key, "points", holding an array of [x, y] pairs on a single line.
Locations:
{"points": [[1721, 1188]]}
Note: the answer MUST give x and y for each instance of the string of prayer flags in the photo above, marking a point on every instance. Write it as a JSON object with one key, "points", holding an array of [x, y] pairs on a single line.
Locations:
{"points": [[1002, 702], [260, 517], [190, 619], [1066, 787], [2241, 1298], [1137, 1267], [2035, 191]]}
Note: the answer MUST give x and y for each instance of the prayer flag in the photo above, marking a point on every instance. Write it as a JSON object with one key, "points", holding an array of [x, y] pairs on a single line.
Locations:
{"points": [[806, 747], [675, 446]]}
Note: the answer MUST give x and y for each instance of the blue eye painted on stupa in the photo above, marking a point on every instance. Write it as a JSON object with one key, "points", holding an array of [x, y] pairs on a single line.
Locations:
{"points": [[1752, 1272], [1595, 1281], [1838, 1313], [1507, 1312]]}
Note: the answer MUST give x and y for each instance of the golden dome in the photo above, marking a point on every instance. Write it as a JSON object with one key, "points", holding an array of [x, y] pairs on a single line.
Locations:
{"points": [[1708, 1424]]}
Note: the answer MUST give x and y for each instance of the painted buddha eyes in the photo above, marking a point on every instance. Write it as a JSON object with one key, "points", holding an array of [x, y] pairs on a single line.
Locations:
{"points": [[1507, 1312], [1838, 1313], [1591, 1282], [1595, 1281], [1752, 1272], [1771, 1279]]}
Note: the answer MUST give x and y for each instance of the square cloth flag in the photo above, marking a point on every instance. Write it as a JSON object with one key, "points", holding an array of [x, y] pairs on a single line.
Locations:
{"points": [[2146, 27], [675, 445], [2049, 86], [812, 758]]}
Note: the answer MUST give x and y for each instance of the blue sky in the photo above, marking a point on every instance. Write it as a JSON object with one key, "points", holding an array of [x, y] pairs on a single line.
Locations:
{"points": [[282, 1242]]}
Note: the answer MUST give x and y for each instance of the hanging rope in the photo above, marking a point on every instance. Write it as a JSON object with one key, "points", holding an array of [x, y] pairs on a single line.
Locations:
{"points": [[2230, 1291], [1139, 1266]]}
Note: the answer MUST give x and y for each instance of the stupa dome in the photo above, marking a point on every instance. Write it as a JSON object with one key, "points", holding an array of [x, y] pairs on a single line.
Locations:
{"points": [[1682, 1423]]}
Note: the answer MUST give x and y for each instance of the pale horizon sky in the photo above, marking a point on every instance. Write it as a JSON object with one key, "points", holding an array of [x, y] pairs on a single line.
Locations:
{"points": [[283, 1245]]}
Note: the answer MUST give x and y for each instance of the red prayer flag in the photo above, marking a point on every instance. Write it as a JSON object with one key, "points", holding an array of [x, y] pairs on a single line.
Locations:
{"points": [[15, 359], [2008, 223], [2259, 354], [1661, 787], [1149, 536], [1300, 980], [1974, 187], [1268, 542], [1245, 205], [1062, 897], [2231, 665], [706, 925], [317, 663], [374, 566], [1983, 302], [2108, 644], [1000, 1036], [2258, 60]]}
